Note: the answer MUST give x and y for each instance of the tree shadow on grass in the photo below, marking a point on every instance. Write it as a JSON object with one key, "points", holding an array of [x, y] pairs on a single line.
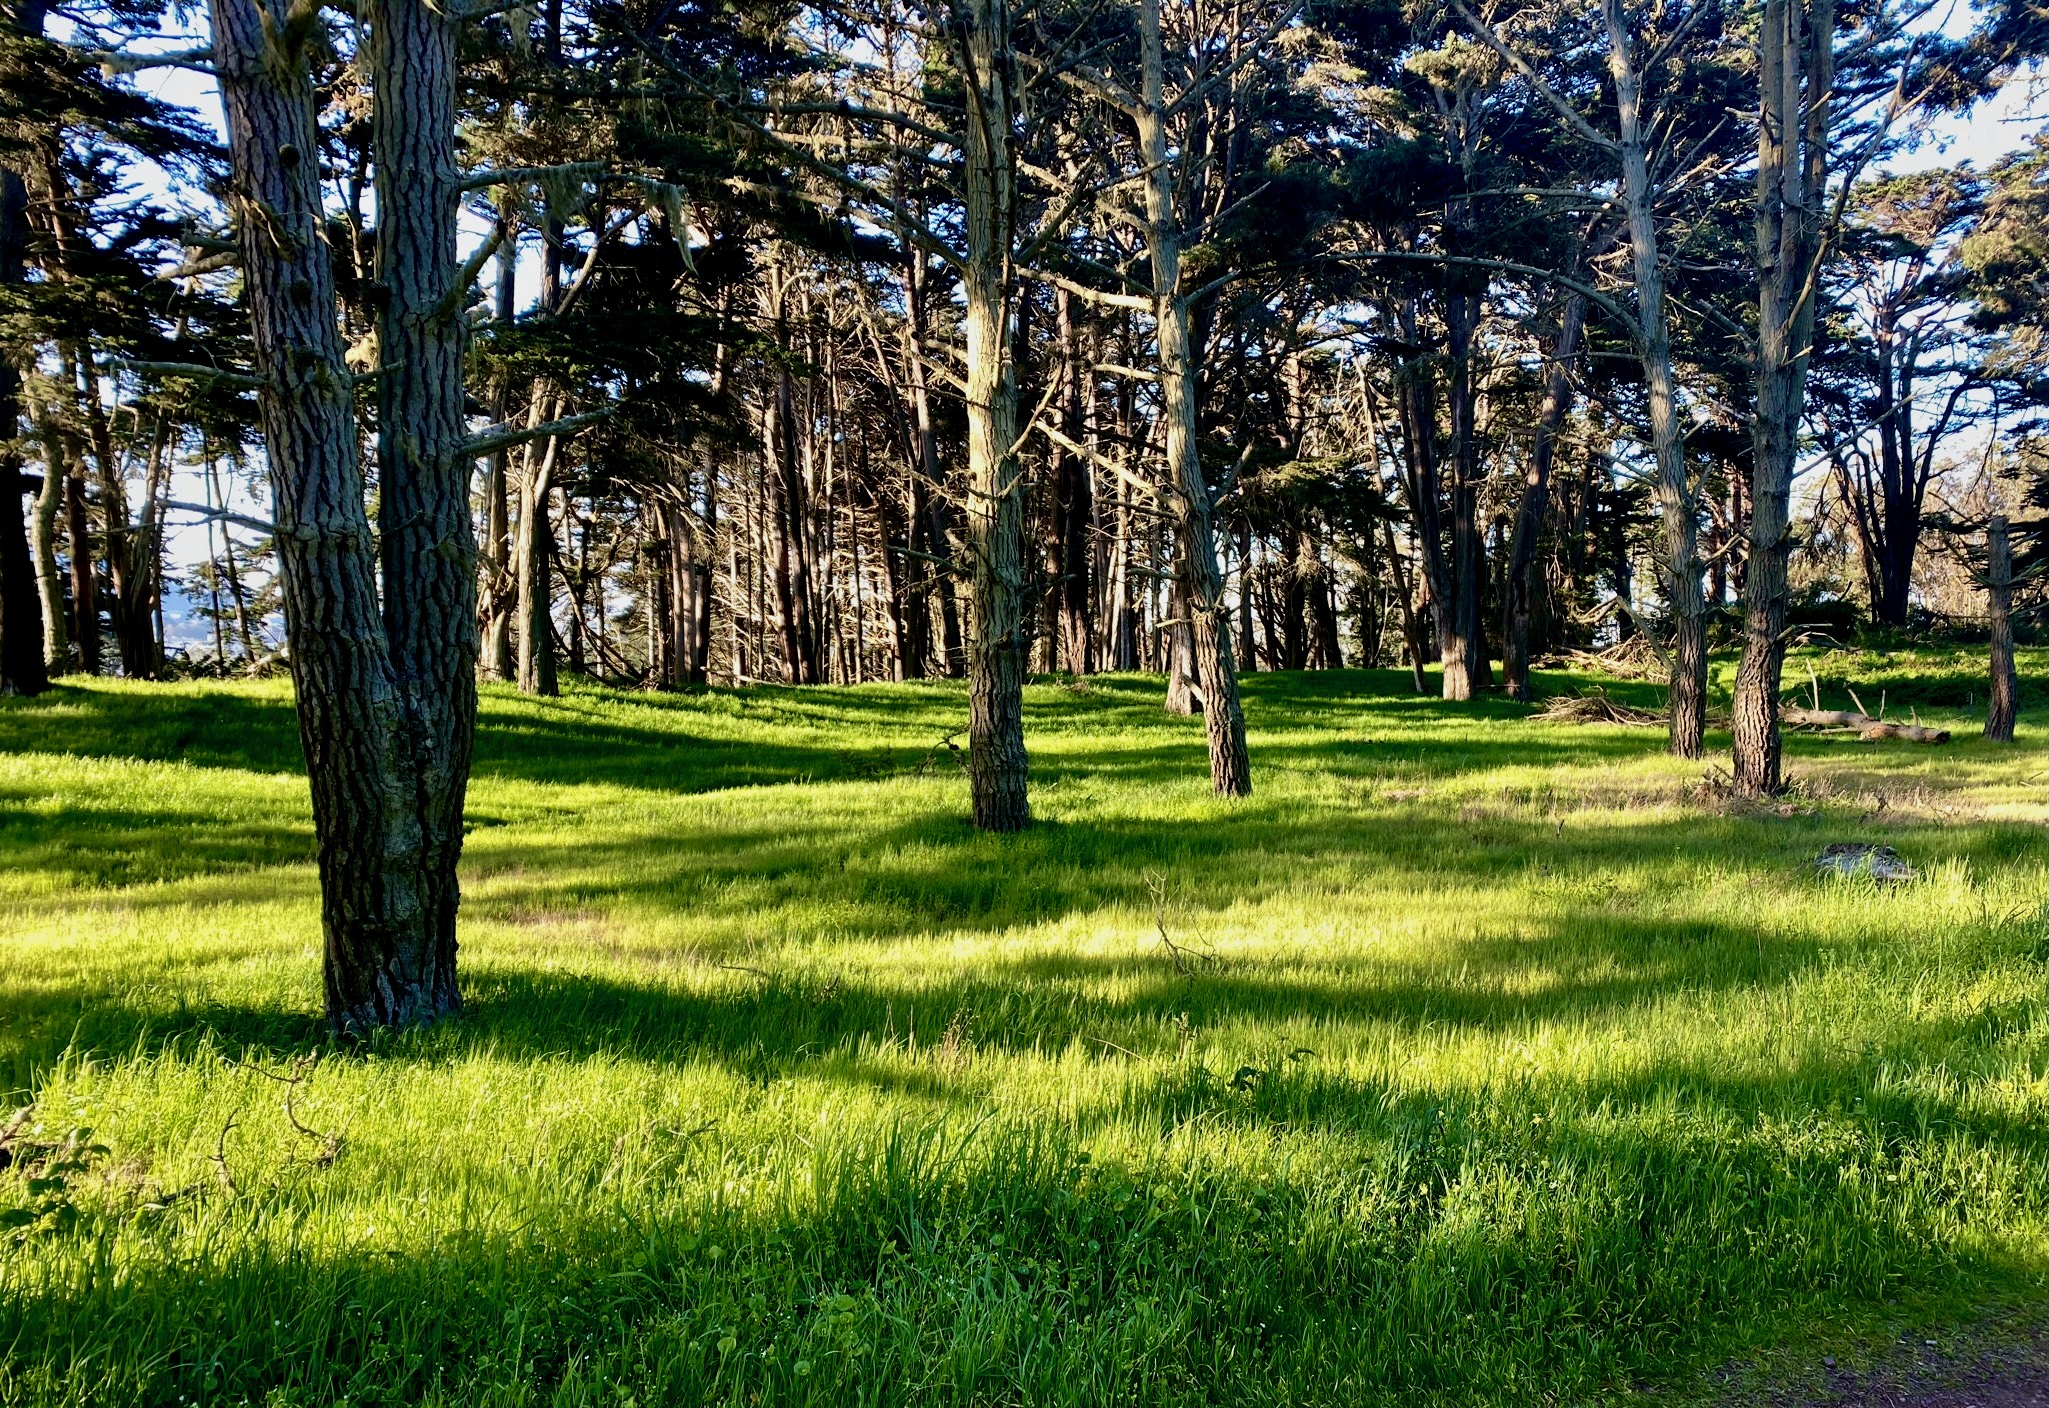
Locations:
{"points": [[1009, 1249], [1441, 1242], [768, 735]]}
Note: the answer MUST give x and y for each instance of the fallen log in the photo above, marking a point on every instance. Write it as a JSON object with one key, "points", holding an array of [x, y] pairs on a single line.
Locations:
{"points": [[1869, 730]]}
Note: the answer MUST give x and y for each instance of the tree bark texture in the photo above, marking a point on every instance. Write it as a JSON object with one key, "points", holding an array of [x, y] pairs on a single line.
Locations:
{"points": [[426, 534], [995, 509], [385, 963], [1796, 73], [23, 669]]}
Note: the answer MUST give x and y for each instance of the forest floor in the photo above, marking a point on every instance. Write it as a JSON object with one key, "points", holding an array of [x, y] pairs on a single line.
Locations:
{"points": [[1471, 1060]]}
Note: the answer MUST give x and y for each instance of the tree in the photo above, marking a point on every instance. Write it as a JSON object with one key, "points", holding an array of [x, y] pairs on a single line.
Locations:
{"points": [[1807, 111], [386, 746], [22, 666], [1894, 342]]}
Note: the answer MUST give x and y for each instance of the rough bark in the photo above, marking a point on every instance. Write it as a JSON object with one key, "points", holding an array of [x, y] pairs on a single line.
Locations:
{"points": [[1200, 585], [1999, 615], [995, 510], [23, 669], [384, 962], [426, 534], [1796, 75]]}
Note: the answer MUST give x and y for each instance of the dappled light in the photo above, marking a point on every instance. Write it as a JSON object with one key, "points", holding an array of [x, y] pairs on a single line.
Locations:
{"points": [[1470, 1056]]}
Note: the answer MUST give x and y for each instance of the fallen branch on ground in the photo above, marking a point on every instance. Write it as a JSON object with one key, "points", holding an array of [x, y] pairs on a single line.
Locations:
{"points": [[1869, 730], [1593, 706]]}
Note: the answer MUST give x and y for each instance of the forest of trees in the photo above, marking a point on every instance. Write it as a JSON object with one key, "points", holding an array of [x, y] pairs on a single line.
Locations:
{"points": [[675, 344]]}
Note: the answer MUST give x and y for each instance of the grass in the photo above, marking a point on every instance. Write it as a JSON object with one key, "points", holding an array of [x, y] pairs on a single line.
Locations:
{"points": [[1493, 1061]]}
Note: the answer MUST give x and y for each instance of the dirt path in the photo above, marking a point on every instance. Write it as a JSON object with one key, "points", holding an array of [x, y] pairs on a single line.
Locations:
{"points": [[1983, 1368]]}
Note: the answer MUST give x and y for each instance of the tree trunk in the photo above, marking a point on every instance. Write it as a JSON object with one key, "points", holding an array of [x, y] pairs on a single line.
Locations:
{"points": [[1074, 510], [928, 510], [495, 656], [1465, 649], [85, 606], [1796, 75], [532, 582], [1687, 722], [794, 575], [1999, 615], [23, 669], [49, 576], [386, 962], [1199, 585], [1535, 501], [995, 508], [427, 538]]}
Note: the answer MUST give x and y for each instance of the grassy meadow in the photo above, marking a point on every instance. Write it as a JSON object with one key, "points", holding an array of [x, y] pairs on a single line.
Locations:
{"points": [[1484, 1060]]}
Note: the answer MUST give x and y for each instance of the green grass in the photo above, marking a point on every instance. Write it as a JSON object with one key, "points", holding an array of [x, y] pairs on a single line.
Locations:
{"points": [[1502, 1063]]}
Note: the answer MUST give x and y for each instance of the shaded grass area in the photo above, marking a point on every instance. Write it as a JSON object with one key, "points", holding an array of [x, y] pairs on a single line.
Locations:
{"points": [[1492, 1061]]}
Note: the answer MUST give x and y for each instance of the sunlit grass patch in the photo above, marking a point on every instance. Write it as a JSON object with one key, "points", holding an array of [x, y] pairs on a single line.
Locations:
{"points": [[1481, 1060]]}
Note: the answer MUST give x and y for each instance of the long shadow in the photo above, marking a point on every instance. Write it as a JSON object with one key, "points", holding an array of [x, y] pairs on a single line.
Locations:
{"points": [[1402, 1278], [1409, 1247]]}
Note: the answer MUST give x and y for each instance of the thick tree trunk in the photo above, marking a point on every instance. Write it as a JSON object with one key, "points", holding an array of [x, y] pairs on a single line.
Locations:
{"points": [[1535, 501], [23, 669], [1200, 586], [1796, 63], [995, 508], [427, 538], [2001, 701], [385, 961]]}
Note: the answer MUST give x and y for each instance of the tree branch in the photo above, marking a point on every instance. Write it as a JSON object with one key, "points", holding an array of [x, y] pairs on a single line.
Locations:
{"points": [[1573, 118], [221, 515], [196, 370], [498, 437], [516, 175]]}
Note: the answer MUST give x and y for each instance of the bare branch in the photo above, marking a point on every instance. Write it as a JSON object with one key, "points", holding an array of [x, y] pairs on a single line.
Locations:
{"points": [[112, 63], [208, 264], [534, 175], [198, 371], [498, 437], [221, 515]]}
